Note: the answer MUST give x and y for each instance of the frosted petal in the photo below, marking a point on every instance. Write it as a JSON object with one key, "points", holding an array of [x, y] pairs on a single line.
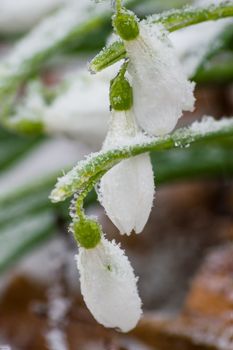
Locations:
{"points": [[161, 89], [109, 286], [126, 192]]}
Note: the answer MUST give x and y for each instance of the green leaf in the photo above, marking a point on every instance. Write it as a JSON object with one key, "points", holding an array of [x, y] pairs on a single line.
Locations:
{"points": [[81, 176], [21, 236], [28, 219], [26, 207], [198, 161], [12, 147]]}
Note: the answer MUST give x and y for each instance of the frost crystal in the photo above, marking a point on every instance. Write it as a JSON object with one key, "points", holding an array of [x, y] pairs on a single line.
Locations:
{"points": [[109, 286], [126, 191], [209, 125], [161, 89]]}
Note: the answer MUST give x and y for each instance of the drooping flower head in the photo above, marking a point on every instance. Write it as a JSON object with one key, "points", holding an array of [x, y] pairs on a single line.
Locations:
{"points": [[126, 191], [109, 286], [160, 88], [107, 280]]}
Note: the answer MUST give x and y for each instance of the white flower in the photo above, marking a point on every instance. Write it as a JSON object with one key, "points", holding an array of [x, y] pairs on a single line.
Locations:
{"points": [[160, 88], [82, 111], [109, 286], [127, 190]]}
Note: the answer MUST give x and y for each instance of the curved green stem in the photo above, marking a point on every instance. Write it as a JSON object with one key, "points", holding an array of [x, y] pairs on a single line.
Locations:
{"points": [[98, 164], [172, 21], [81, 196]]}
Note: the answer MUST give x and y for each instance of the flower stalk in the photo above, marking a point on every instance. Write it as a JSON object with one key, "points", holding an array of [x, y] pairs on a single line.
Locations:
{"points": [[81, 175]]}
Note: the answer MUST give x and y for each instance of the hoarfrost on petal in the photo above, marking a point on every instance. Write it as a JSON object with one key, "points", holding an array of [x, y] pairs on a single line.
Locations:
{"points": [[160, 87], [109, 286], [126, 192]]}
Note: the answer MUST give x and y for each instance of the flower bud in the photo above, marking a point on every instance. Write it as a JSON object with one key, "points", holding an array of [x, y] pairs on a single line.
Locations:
{"points": [[121, 93], [87, 232], [109, 286], [126, 24]]}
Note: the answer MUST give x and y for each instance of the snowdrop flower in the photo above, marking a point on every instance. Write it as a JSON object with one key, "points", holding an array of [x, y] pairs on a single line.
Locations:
{"points": [[160, 88], [70, 113], [109, 286], [82, 111], [126, 191]]}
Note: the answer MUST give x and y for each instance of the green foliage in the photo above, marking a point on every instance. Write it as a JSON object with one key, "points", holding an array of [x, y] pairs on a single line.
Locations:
{"points": [[81, 176], [27, 218]]}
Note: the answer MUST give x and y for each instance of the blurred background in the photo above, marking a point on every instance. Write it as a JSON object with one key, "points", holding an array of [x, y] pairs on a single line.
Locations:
{"points": [[53, 112]]}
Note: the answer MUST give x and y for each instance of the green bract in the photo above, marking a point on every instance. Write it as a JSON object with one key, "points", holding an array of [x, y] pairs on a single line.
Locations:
{"points": [[121, 93], [26, 126], [87, 232], [126, 24]]}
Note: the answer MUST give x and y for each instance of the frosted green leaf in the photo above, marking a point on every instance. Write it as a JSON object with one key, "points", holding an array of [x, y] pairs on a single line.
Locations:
{"points": [[98, 163]]}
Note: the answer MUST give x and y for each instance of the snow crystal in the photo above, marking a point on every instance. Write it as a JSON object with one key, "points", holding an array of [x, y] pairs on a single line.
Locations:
{"points": [[209, 124]]}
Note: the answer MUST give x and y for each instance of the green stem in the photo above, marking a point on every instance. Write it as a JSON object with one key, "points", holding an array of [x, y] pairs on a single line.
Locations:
{"points": [[118, 5], [98, 164], [172, 21], [81, 197]]}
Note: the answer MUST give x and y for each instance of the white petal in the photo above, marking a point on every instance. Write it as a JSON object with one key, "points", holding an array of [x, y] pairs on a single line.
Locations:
{"points": [[109, 286], [161, 89], [126, 192], [122, 128]]}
